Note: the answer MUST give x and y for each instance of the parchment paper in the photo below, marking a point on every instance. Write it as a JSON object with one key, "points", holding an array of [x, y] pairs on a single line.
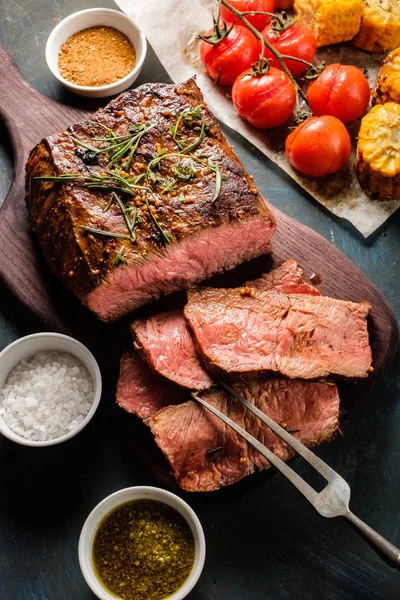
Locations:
{"points": [[172, 28]]}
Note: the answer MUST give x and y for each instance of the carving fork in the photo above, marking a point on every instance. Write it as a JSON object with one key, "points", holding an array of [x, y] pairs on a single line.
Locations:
{"points": [[333, 500]]}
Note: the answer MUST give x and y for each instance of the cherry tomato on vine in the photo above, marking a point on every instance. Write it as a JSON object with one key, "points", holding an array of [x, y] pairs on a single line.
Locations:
{"points": [[297, 40], [258, 21], [265, 100], [225, 60], [341, 91], [319, 146]]}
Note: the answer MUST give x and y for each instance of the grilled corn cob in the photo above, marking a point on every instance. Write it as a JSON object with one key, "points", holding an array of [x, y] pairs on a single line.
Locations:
{"points": [[380, 26], [331, 21], [378, 152], [387, 86]]}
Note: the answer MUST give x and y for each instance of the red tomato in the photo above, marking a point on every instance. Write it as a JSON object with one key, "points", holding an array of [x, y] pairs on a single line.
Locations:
{"points": [[283, 4], [296, 40], [319, 146], [258, 21], [230, 57], [341, 91], [266, 100]]}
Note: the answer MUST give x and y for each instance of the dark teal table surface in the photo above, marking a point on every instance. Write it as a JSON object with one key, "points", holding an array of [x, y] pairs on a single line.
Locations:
{"points": [[264, 541]]}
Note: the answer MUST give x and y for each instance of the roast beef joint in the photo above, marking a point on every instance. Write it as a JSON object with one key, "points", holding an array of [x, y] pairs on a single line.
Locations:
{"points": [[144, 199]]}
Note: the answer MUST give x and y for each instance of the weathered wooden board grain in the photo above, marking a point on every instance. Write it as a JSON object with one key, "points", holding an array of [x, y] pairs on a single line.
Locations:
{"points": [[29, 117]]}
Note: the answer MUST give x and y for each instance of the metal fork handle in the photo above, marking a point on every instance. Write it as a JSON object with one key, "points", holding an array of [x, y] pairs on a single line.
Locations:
{"points": [[384, 547], [387, 550]]}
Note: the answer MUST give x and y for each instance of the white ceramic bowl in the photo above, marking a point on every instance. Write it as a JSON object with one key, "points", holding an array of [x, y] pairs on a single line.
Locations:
{"points": [[121, 497], [26, 347], [90, 18]]}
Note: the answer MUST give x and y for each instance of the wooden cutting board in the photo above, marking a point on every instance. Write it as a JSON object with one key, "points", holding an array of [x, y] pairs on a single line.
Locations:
{"points": [[30, 116]]}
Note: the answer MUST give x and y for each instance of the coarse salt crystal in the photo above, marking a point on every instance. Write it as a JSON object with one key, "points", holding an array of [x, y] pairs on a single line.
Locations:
{"points": [[31, 402], [28, 420], [46, 396]]}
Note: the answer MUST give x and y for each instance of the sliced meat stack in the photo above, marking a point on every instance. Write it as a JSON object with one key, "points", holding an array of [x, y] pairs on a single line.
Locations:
{"points": [[245, 334], [143, 199], [166, 341], [203, 452]]}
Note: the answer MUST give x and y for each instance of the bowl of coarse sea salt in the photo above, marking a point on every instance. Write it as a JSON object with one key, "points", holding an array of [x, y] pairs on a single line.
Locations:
{"points": [[50, 388]]}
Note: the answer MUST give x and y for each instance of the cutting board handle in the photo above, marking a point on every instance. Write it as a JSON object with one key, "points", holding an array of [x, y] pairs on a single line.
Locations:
{"points": [[18, 100], [16, 92], [29, 115]]}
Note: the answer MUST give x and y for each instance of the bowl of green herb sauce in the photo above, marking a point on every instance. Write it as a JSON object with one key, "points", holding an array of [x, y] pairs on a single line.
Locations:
{"points": [[142, 543]]}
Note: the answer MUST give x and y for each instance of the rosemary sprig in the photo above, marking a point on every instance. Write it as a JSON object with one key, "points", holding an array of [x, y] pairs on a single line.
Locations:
{"points": [[165, 237], [131, 145], [105, 233], [121, 150], [218, 182], [197, 141], [119, 146], [111, 180], [170, 186], [107, 129], [64, 177], [158, 179], [187, 116], [130, 224], [155, 162], [183, 172], [120, 258], [108, 205]]}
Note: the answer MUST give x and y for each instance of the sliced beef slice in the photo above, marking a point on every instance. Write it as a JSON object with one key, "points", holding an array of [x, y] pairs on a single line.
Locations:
{"points": [[167, 344], [141, 392], [296, 335], [287, 277], [205, 454], [207, 234]]}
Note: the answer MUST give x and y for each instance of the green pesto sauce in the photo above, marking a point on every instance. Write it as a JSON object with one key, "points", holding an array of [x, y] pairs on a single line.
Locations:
{"points": [[143, 550]]}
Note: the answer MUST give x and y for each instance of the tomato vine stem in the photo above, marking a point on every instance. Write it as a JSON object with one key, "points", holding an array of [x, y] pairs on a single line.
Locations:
{"points": [[265, 44], [263, 12]]}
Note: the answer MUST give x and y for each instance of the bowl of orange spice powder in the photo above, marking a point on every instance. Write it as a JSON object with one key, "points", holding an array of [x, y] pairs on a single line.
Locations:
{"points": [[96, 52]]}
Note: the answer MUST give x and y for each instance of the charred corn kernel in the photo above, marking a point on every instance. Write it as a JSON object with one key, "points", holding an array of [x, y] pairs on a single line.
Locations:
{"points": [[331, 21], [378, 152], [380, 26], [387, 86]]}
